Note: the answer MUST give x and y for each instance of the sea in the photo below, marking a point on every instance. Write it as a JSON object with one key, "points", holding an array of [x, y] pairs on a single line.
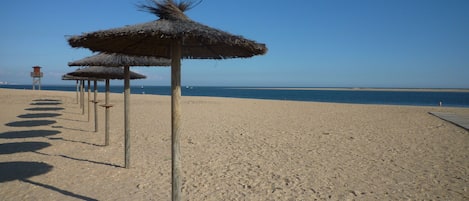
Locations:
{"points": [[415, 97]]}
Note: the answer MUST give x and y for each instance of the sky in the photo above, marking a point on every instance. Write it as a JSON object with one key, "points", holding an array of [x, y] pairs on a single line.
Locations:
{"points": [[311, 43]]}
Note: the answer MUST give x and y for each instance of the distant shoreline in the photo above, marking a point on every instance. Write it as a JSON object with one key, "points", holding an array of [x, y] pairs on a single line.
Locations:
{"points": [[356, 89], [300, 88]]}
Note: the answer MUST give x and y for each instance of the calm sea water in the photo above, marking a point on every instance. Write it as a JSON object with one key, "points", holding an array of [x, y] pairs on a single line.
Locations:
{"points": [[417, 98]]}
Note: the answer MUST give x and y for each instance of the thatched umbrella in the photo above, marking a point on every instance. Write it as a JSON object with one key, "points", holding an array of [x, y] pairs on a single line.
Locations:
{"points": [[68, 77], [119, 60], [177, 37], [110, 73], [82, 89], [71, 77]]}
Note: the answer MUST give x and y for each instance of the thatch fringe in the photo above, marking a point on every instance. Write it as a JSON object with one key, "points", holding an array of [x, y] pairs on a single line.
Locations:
{"points": [[169, 9], [71, 77], [99, 72], [154, 38], [119, 60]]}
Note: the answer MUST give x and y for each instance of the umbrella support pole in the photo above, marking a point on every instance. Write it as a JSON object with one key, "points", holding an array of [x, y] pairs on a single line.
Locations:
{"points": [[126, 115], [77, 90], [95, 88], [89, 91], [81, 105], [176, 120], [106, 134], [82, 98]]}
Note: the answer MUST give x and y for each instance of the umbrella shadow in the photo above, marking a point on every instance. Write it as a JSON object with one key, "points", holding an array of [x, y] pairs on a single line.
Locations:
{"points": [[73, 129], [44, 108], [46, 99], [38, 133], [79, 159], [90, 161], [28, 134], [31, 123], [72, 112], [64, 192], [22, 170], [20, 147], [75, 141], [71, 119], [46, 103], [38, 115]]}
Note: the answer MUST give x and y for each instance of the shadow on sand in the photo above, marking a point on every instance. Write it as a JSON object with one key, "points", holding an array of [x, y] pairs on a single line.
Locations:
{"points": [[31, 123], [44, 108], [75, 141], [19, 147], [38, 115], [69, 112], [73, 129], [79, 159], [64, 192], [46, 99], [22, 170], [90, 161], [39, 133], [46, 103], [72, 119], [28, 134]]}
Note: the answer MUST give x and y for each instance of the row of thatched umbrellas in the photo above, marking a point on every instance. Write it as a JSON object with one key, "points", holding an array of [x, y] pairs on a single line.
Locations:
{"points": [[99, 72], [169, 39]]}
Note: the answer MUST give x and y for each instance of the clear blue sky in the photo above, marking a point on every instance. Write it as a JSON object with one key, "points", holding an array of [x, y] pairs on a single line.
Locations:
{"points": [[312, 43]]}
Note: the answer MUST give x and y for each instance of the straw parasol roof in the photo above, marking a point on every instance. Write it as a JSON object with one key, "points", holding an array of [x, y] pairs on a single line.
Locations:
{"points": [[176, 37], [154, 38], [69, 77], [72, 77], [119, 60], [104, 73], [109, 73]]}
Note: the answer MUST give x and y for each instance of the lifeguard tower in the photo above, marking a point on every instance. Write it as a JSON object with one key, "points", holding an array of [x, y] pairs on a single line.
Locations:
{"points": [[36, 75]]}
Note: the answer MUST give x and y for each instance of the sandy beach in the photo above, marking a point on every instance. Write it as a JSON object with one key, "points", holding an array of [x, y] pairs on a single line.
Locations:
{"points": [[232, 149]]}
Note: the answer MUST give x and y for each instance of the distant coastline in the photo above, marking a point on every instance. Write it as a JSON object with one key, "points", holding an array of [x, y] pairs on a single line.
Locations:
{"points": [[359, 89], [463, 90], [382, 96]]}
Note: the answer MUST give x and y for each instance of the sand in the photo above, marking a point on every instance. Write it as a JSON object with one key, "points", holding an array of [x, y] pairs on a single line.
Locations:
{"points": [[232, 149]]}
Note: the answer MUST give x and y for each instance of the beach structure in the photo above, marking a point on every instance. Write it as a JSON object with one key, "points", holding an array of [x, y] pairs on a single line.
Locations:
{"points": [[36, 75], [80, 89], [68, 76], [107, 74], [176, 37], [119, 60]]}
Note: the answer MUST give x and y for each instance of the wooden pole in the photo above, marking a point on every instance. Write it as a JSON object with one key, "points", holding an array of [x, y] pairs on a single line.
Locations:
{"points": [[106, 134], [82, 88], [77, 90], [89, 91], [95, 106], [176, 120], [126, 115], [80, 94]]}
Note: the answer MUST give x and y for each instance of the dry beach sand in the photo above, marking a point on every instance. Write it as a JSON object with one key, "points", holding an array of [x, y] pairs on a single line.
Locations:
{"points": [[232, 149]]}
